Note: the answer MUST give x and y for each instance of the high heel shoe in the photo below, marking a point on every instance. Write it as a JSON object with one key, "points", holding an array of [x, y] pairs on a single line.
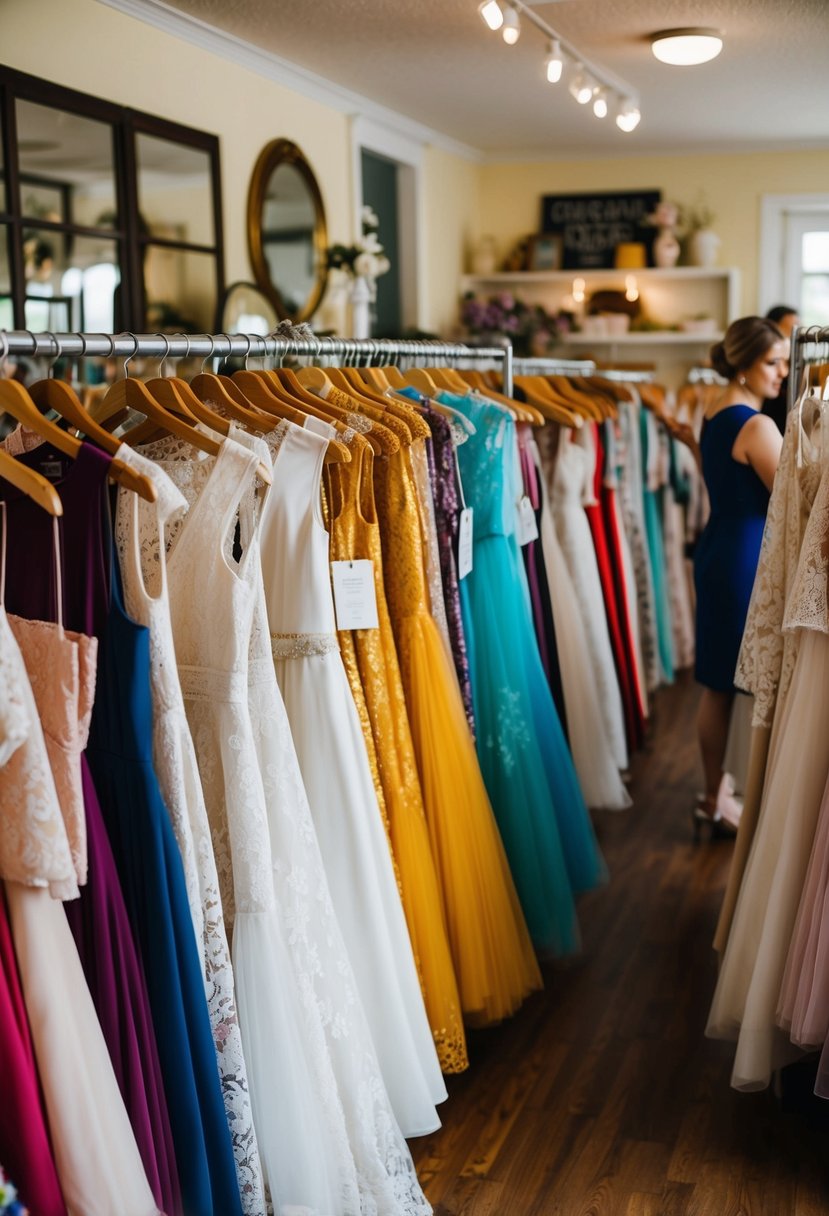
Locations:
{"points": [[703, 815]]}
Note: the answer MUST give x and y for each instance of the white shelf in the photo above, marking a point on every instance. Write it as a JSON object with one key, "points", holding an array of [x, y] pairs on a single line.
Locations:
{"points": [[650, 273], [658, 337]]}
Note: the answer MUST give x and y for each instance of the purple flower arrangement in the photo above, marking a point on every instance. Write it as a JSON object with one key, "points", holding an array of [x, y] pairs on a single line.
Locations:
{"points": [[529, 327]]}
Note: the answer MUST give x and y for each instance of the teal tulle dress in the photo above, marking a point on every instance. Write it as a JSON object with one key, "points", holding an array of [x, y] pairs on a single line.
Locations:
{"points": [[524, 757], [653, 527]]}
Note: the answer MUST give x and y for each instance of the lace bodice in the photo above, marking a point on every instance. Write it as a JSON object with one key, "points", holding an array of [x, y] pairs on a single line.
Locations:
{"points": [[34, 847], [767, 655], [15, 721], [485, 464]]}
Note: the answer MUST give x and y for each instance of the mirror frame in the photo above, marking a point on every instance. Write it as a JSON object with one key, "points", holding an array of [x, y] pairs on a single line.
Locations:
{"points": [[285, 152]]}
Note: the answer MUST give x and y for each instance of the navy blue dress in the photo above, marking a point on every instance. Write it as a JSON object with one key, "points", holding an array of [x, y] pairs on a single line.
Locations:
{"points": [[725, 561], [152, 879]]}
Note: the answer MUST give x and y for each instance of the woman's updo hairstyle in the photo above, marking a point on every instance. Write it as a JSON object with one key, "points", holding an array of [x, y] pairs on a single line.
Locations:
{"points": [[746, 341]]}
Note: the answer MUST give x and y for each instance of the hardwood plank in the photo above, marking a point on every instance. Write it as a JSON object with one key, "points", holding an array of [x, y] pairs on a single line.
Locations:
{"points": [[602, 1097]]}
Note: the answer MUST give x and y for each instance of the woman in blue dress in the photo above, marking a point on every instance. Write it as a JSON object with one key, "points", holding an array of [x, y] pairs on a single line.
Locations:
{"points": [[740, 450]]}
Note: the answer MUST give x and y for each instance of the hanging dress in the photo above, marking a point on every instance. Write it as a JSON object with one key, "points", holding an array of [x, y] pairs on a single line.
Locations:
{"points": [[631, 481], [140, 535], [324, 723], [355, 535], [651, 496], [328, 1141], [525, 760], [98, 919], [96, 1155], [569, 479]]}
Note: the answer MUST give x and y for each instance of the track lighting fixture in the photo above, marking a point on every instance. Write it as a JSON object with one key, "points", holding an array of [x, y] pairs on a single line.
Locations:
{"points": [[600, 103], [628, 118], [587, 80], [555, 62], [511, 28], [492, 14]]}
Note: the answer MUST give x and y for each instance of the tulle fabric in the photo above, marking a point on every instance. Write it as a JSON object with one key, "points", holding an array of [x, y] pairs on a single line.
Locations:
{"points": [[494, 959], [746, 998]]}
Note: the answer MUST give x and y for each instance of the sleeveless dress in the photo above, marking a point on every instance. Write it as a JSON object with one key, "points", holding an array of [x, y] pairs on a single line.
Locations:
{"points": [[652, 498], [140, 535], [96, 1155], [328, 1141], [570, 486], [725, 561], [355, 535], [98, 919], [324, 723], [524, 757]]}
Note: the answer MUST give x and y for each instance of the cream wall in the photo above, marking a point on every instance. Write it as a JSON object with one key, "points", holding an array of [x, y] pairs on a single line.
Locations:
{"points": [[510, 194], [88, 46], [451, 194]]}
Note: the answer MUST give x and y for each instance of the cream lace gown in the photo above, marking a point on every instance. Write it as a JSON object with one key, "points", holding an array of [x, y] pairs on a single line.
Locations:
{"points": [[96, 1156], [140, 536], [786, 650], [570, 488], [599, 777], [332, 755], [328, 1140]]}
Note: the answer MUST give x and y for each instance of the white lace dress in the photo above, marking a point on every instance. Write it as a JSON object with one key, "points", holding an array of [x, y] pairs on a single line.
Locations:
{"points": [[328, 1140], [570, 488], [789, 664], [632, 481], [335, 768], [598, 776], [140, 536]]}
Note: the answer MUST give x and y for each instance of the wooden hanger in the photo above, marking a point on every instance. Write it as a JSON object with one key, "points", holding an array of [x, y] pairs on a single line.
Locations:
{"points": [[31, 483], [376, 377], [393, 375], [491, 385], [408, 424], [551, 407], [320, 383], [57, 395], [15, 400], [583, 402], [272, 399]]}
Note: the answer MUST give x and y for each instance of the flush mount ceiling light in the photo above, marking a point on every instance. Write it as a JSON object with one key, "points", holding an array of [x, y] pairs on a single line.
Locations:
{"points": [[686, 47], [586, 81], [511, 30]]}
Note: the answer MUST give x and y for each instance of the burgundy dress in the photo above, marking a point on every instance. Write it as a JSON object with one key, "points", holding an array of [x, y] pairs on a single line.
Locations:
{"points": [[98, 920]]}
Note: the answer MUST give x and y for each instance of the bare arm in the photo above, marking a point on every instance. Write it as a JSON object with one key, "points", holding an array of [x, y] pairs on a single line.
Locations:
{"points": [[759, 444]]}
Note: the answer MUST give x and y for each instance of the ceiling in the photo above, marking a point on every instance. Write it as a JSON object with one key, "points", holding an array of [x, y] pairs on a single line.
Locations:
{"points": [[437, 63]]}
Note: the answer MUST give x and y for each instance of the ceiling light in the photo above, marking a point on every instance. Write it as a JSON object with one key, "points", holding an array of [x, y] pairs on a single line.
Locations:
{"points": [[581, 86], [628, 118], [511, 30], [685, 47], [600, 104], [491, 12], [555, 62]]}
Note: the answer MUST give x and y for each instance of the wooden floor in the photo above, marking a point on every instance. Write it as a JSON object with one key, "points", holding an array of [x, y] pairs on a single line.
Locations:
{"points": [[602, 1097]]}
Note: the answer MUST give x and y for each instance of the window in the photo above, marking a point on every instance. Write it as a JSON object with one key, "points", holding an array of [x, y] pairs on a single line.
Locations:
{"points": [[110, 219], [794, 255]]}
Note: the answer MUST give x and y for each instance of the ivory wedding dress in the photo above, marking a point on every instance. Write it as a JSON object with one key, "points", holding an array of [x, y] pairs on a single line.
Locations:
{"points": [[328, 1140]]}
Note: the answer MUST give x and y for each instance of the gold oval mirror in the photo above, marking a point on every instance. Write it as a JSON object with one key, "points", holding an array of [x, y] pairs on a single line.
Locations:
{"points": [[287, 236]]}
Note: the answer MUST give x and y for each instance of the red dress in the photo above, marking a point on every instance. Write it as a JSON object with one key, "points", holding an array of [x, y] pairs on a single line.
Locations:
{"points": [[609, 559]]}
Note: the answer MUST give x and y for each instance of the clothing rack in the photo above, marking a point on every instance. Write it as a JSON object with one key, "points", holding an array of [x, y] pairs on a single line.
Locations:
{"points": [[803, 337], [705, 375], [180, 346], [542, 366], [626, 377]]}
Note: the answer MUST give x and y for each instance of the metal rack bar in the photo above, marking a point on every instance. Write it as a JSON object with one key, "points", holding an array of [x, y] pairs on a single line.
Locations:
{"points": [[552, 367], [177, 346], [803, 336]]}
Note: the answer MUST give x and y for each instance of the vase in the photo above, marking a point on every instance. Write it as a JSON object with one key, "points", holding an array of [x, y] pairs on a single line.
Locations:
{"points": [[361, 298], [704, 247], [666, 249], [485, 257]]}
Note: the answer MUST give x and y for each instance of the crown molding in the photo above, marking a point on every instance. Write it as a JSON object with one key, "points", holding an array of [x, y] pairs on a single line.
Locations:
{"points": [[290, 75], [545, 156]]}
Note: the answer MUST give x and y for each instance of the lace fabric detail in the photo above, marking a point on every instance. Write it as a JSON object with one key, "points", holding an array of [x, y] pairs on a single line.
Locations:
{"points": [[359, 423], [807, 606], [302, 645], [34, 847], [766, 661], [140, 535]]}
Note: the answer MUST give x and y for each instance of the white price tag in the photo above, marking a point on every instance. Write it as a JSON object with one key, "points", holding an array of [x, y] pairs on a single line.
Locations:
{"points": [[527, 526], [355, 596], [465, 543]]}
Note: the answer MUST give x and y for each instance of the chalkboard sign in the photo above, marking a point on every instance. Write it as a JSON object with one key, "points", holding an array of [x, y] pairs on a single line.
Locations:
{"points": [[592, 225]]}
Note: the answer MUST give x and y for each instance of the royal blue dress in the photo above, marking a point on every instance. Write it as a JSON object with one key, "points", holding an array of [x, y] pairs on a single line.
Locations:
{"points": [[152, 879], [725, 561], [524, 758]]}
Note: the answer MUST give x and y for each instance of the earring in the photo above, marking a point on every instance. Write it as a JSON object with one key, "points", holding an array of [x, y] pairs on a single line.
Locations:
{"points": [[742, 380]]}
